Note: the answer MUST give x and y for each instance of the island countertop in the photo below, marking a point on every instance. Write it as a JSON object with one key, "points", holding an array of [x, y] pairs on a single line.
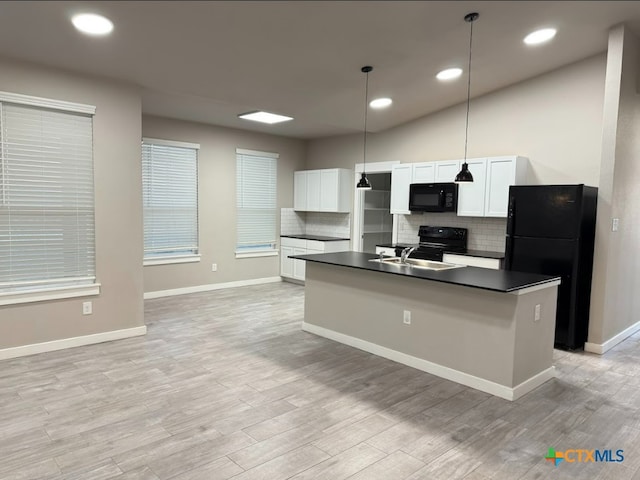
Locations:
{"points": [[487, 279]]}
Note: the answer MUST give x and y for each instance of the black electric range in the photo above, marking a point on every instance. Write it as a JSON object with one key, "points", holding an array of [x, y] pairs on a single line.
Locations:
{"points": [[434, 241]]}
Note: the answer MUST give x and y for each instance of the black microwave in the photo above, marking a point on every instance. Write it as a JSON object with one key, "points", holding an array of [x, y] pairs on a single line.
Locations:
{"points": [[433, 197]]}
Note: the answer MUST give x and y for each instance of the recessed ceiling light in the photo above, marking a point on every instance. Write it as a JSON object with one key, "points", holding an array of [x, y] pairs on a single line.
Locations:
{"points": [[540, 36], [92, 24], [265, 117], [449, 74], [380, 102]]}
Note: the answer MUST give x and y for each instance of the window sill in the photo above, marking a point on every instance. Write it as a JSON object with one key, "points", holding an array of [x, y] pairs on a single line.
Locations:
{"points": [[52, 293], [264, 253], [169, 260]]}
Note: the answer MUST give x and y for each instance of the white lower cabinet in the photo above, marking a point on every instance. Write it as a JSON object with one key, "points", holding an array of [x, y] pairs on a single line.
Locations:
{"points": [[493, 263], [292, 268], [388, 251]]}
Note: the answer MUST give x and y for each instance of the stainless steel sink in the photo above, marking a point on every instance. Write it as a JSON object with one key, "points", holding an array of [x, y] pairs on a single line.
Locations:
{"points": [[416, 263]]}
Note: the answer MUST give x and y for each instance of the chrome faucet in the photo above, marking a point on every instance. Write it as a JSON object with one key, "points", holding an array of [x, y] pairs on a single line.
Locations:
{"points": [[405, 254]]}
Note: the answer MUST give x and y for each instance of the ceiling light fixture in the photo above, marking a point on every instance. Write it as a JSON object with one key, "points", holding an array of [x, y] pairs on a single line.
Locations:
{"points": [[380, 103], [449, 73], [264, 117], [92, 24], [465, 175], [540, 36], [364, 184]]}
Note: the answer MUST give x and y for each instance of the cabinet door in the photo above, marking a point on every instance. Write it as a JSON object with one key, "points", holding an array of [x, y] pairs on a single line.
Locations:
{"points": [[446, 171], [299, 265], [424, 172], [471, 194], [401, 178], [286, 264], [300, 191], [329, 183], [313, 190], [501, 173]]}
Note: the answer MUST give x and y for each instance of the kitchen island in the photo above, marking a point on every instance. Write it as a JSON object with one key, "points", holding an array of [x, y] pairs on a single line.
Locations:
{"points": [[492, 330]]}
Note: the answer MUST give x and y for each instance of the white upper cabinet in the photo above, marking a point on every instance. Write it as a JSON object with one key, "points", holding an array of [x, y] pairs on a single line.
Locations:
{"points": [[471, 194], [424, 172], [300, 191], [502, 172], [326, 190], [401, 178], [446, 171]]}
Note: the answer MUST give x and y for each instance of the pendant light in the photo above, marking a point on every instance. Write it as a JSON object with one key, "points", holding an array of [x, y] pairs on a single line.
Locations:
{"points": [[364, 184], [465, 174]]}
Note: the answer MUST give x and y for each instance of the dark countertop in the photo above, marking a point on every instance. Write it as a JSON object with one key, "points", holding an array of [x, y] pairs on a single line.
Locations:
{"points": [[496, 280], [319, 238], [468, 253]]}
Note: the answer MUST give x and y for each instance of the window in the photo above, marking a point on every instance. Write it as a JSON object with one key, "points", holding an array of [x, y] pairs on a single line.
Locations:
{"points": [[170, 201], [47, 239], [256, 187]]}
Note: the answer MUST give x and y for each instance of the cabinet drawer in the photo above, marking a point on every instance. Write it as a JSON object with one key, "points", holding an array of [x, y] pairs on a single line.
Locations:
{"points": [[293, 242], [316, 245], [391, 252], [493, 263]]}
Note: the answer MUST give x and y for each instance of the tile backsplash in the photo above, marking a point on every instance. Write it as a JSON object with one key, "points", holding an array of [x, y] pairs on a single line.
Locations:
{"points": [[484, 233], [315, 223]]}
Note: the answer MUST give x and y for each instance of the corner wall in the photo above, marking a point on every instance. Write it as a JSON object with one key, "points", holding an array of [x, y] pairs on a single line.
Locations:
{"points": [[217, 201], [616, 278], [118, 211]]}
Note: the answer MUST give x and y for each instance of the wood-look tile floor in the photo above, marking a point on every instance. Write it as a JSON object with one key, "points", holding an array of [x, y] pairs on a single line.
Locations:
{"points": [[226, 385]]}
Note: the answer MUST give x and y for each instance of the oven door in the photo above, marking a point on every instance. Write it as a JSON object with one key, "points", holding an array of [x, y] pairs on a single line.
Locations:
{"points": [[426, 197]]}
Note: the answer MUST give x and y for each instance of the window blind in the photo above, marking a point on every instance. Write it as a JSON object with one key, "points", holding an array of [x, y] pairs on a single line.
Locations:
{"points": [[46, 198], [256, 184], [170, 199]]}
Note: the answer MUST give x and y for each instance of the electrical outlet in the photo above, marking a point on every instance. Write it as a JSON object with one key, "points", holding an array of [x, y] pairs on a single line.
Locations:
{"points": [[615, 224], [406, 317], [214, 267], [536, 313], [87, 308]]}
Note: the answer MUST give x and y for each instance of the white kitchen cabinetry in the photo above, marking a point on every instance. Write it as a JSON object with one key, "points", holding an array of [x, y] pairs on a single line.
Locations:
{"points": [[471, 194], [291, 268], [388, 251], [488, 194], [401, 178], [300, 191], [502, 172], [446, 171], [493, 263], [326, 190], [424, 172]]}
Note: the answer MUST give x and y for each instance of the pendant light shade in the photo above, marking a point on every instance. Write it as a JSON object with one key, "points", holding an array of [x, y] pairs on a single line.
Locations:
{"points": [[465, 175], [364, 184]]}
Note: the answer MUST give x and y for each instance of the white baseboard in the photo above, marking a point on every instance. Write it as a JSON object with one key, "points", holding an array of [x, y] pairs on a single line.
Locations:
{"points": [[210, 287], [63, 343], [472, 381], [601, 348]]}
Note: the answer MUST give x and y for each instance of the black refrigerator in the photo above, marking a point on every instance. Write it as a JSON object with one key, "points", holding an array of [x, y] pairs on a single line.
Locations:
{"points": [[551, 230]]}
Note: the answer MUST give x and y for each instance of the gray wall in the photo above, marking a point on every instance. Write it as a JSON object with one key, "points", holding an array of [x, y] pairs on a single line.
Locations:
{"points": [[217, 200], [555, 120], [118, 200], [616, 280]]}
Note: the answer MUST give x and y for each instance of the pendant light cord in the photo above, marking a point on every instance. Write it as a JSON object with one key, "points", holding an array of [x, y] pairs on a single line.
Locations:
{"points": [[466, 128], [366, 99]]}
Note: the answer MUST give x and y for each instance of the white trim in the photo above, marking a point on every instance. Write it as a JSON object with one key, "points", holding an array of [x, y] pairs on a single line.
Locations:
{"points": [[376, 167], [264, 253], [170, 143], [601, 348], [256, 153], [20, 99], [171, 259], [72, 342], [210, 287], [535, 288], [472, 381], [52, 293]]}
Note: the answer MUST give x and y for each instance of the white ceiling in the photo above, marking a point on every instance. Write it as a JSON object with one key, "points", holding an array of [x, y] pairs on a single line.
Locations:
{"points": [[210, 61]]}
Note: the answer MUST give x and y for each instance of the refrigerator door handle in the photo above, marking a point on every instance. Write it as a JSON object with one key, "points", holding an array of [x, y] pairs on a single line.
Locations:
{"points": [[511, 214]]}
